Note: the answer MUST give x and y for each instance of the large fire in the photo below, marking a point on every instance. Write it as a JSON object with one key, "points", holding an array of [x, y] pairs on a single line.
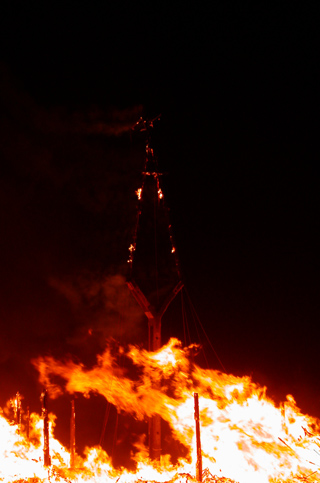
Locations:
{"points": [[245, 437]]}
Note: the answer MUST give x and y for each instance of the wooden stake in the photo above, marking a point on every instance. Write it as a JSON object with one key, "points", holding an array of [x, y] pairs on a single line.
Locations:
{"points": [[27, 419], [199, 455], [72, 435], [46, 453]]}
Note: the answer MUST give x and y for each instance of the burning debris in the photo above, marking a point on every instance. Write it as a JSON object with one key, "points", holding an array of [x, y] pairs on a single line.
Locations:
{"points": [[245, 437]]}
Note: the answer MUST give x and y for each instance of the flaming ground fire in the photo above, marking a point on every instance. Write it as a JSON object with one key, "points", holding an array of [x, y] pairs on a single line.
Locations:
{"points": [[245, 437]]}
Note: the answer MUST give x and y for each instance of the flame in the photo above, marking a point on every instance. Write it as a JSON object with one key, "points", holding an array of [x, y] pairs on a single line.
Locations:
{"points": [[245, 436], [139, 193], [22, 458]]}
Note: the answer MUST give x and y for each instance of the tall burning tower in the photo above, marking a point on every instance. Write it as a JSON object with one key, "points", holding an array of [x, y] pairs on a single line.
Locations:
{"points": [[154, 276]]}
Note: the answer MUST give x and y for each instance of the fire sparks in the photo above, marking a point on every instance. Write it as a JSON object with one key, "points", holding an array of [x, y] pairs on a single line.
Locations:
{"points": [[245, 437]]}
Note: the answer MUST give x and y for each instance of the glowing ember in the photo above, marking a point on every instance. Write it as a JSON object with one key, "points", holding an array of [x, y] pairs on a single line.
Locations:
{"points": [[245, 437], [139, 193]]}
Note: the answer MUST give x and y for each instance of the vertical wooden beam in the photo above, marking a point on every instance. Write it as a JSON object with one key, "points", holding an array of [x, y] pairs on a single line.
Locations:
{"points": [[155, 421], [72, 435], [198, 440], [27, 419], [46, 452], [17, 411]]}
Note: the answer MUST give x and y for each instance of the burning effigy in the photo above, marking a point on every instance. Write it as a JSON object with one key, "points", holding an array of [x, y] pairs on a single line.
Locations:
{"points": [[245, 436]]}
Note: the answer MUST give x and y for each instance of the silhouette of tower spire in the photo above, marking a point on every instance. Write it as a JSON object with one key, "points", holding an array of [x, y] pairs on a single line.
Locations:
{"points": [[154, 276]]}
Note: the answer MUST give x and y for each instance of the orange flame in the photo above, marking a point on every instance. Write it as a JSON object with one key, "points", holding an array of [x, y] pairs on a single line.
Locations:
{"points": [[244, 435], [139, 193]]}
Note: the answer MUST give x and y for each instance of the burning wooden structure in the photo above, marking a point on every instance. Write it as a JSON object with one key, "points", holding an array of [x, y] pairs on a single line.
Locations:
{"points": [[245, 436], [152, 304]]}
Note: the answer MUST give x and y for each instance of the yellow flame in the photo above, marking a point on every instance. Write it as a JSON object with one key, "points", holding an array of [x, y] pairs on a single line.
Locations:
{"points": [[245, 436], [139, 193]]}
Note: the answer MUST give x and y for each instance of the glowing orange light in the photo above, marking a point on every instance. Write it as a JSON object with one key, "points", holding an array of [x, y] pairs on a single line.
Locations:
{"points": [[139, 193], [245, 436]]}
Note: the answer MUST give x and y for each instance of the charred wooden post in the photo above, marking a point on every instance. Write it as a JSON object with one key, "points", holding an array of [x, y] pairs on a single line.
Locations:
{"points": [[198, 440], [27, 420], [46, 453], [17, 411], [155, 422], [72, 435]]}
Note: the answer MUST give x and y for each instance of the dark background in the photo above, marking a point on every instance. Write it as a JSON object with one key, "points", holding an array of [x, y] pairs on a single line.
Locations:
{"points": [[236, 84]]}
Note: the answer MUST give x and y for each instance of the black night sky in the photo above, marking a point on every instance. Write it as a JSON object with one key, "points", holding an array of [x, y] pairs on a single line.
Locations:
{"points": [[237, 86]]}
